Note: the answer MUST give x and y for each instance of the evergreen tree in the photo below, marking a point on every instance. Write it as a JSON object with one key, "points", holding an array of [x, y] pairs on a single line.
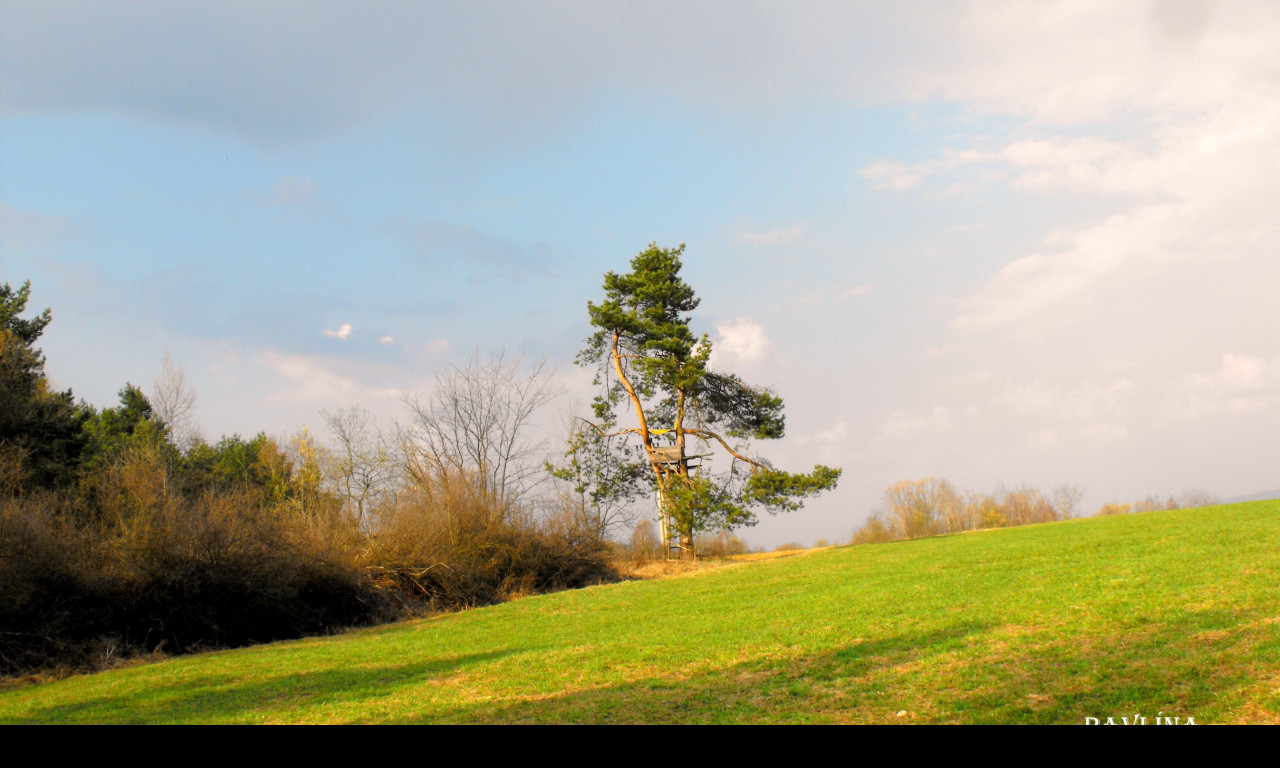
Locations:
{"points": [[648, 356], [40, 429]]}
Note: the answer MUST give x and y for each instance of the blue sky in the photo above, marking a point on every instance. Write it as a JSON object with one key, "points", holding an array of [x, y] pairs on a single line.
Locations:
{"points": [[994, 242]]}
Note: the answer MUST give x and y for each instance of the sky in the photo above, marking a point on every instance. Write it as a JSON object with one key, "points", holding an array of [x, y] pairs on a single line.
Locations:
{"points": [[999, 243]]}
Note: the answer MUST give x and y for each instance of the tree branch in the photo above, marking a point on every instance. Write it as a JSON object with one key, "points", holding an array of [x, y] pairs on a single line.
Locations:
{"points": [[713, 436]]}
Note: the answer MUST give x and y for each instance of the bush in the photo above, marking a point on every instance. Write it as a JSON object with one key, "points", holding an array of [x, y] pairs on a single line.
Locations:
{"points": [[135, 562], [212, 573], [46, 598], [450, 543], [720, 544], [122, 532], [646, 545], [873, 531], [1113, 509], [1186, 500]]}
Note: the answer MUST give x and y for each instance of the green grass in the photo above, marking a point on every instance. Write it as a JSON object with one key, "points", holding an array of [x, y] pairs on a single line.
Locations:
{"points": [[1173, 612]]}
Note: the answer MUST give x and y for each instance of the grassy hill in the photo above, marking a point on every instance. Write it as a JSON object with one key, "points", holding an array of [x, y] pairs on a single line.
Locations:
{"points": [[1165, 612]]}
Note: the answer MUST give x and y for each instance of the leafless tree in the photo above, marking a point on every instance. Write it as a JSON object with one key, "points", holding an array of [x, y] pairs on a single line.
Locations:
{"points": [[1196, 497], [1066, 501], [922, 508], [477, 422], [174, 402], [359, 462], [645, 544]]}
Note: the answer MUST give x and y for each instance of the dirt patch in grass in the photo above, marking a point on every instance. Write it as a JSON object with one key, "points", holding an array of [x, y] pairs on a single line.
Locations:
{"points": [[1212, 636]]}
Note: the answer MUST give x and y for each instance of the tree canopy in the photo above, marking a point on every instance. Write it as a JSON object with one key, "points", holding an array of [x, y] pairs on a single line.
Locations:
{"points": [[40, 429], [647, 356]]}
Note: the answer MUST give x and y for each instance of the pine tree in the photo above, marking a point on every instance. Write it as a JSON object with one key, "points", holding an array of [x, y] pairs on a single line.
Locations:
{"points": [[40, 429], [648, 356]]}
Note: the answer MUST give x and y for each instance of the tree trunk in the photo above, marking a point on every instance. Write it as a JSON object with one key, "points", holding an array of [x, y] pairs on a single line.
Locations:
{"points": [[686, 546]]}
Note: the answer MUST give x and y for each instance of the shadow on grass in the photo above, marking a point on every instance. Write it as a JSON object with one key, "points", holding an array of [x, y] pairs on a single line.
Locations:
{"points": [[1216, 664], [214, 697], [1210, 664], [761, 690]]}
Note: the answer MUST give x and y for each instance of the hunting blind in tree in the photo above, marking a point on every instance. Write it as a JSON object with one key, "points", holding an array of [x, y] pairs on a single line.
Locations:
{"points": [[647, 357]]}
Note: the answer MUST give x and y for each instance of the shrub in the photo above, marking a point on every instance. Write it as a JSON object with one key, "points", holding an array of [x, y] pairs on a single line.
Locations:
{"points": [[452, 544], [720, 544], [646, 545], [872, 531], [213, 573]]}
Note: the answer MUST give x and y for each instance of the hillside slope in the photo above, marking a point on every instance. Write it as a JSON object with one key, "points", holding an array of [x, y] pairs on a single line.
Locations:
{"points": [[1165, 612]]}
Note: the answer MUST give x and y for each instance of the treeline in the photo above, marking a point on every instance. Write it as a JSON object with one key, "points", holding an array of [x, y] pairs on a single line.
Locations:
{"points": [[932, 507], [1185, 500], [122, 532]]}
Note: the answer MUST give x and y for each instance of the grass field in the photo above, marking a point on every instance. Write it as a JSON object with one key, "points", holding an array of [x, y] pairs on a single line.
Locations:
{"points": [[1165, 612]]}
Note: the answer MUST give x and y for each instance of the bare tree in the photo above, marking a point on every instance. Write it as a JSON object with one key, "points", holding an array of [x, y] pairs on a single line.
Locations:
{"points": [[174, 402], [359, 463], [645, 544], [477, 423], [923, 508], [1066, 501], [1196, 497]]}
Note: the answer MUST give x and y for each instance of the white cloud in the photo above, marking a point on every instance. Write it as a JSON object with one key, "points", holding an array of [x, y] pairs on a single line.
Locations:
{"points": [[1239, 373], [1080, 62], [909, 423], [1057, 162], [1083, 403], [386, 340], [1215, 176], [837, 434], [343, 332], [1173, 110], [315, 380], [1103, 432], [740, 341], [1049, 416], [308, 378], [1242, 384], [895, 175], [1066, 62]]}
